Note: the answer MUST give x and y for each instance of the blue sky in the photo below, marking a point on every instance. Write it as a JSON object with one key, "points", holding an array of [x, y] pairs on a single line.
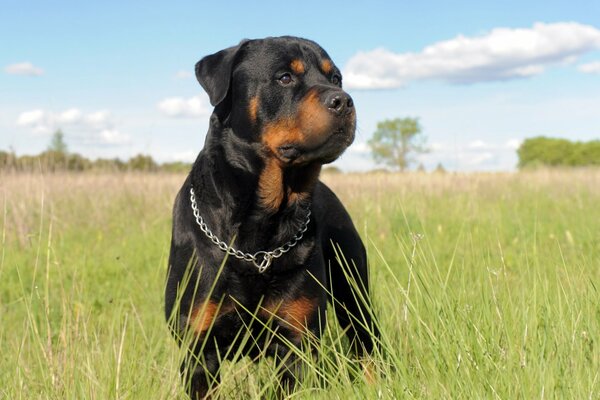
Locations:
{"points": [[116, 77]]}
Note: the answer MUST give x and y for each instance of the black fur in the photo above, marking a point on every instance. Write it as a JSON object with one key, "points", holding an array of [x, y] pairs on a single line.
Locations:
{"points": [[233, 180]]}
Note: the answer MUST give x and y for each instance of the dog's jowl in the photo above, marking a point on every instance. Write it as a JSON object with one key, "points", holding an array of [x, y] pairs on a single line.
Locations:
{"points": [[257, 237]]}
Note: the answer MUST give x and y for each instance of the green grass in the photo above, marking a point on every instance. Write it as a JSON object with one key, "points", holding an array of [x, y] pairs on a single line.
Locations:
{"points": [[486, 286]]}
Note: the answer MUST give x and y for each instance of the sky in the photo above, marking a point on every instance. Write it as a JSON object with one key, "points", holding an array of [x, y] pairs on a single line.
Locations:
{"points": [[117, 77]]}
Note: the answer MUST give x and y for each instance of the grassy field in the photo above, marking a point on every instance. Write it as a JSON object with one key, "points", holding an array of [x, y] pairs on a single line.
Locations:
{"points": [[486, 286]]}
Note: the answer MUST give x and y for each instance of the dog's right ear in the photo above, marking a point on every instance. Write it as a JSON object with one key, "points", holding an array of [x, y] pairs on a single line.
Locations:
{"points": [[214, 73]]}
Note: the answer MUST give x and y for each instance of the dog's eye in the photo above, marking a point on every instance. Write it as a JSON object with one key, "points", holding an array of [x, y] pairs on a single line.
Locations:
{"points": [[336, 80], [285, 79]]}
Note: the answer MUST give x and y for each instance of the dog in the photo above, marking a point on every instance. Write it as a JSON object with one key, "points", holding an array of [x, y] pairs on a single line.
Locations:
{"points": [[257, 238]]}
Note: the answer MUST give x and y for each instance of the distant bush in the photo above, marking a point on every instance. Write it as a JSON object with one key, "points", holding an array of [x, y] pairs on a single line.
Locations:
{"points": [[544, 151], [331, 169], [177, 166], [142, 163]]}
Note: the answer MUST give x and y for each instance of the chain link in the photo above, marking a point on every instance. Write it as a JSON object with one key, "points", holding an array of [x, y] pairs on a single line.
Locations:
{"points": [[261, 259]]}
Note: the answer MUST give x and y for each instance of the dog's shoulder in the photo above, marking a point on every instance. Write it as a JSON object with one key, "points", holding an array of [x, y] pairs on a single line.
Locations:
{"points": [[327, 206], [182, 214]]}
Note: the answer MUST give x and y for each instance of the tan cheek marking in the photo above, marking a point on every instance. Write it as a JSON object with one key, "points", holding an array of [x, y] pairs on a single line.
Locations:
{"points": [[297, 67], [253, 109], [308, 127], [314, 119], [281, 132], [326, 66], [270, 181], [271, 189]]}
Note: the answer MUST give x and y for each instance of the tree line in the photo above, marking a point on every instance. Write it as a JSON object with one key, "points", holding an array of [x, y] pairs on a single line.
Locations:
{"points": [[57, 158], [52, 161], [394, 144], [551, 152]]}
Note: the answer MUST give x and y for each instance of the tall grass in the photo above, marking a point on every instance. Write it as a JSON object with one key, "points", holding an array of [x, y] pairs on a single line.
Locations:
{"points": [[485, 286]]}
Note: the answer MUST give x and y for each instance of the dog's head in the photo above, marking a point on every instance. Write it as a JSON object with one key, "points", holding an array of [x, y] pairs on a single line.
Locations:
{"points": [[283, 93]]}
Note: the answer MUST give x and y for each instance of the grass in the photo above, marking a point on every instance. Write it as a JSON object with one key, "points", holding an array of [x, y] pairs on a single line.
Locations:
{"points": [[486, 286]]}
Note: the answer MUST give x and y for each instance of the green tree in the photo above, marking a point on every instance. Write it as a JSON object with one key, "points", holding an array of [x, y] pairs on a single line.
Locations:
{"points": [[395, 140], [545, 151], [57, 143], [440, 169]]}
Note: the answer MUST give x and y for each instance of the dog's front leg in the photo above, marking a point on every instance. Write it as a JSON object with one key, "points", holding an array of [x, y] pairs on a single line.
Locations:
{"points": [[290, 369], [200, 373]]}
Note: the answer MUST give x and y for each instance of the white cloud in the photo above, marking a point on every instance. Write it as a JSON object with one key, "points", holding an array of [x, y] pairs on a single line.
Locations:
{"points": [[91, 128], [503, 53], [41, 122], [183, 74], [435, 146], [476, 155], [513, 144], [70, 116], [476, 159], [23, 68], [185, 156], [359, 148], [179, 107], [30, 117], [590, 68], [113, 136], [353, 161], [98, 119], [477, 144]]}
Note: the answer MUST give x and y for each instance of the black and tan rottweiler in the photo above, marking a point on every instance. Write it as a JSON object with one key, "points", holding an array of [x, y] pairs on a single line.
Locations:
{"points": [[254, 250]]}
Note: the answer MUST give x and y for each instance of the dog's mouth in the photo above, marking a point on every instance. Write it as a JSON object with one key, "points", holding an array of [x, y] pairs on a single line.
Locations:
{"points": [[327, 151]]}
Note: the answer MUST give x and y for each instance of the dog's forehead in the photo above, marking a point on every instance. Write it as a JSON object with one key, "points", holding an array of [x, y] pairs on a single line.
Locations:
{"points": [[282, 51]]}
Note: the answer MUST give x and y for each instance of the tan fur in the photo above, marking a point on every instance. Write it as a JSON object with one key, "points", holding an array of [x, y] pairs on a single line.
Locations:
{"points": [[297, 67], [293, 314], [326, 66], [253, 109], [309, 127], [270, 184], [203, 316]]}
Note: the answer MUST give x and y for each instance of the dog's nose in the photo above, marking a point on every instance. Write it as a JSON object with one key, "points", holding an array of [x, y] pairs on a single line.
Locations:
{"points": [[339, 103]]}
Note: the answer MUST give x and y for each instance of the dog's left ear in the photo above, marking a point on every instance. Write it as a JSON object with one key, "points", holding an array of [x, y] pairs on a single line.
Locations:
{"points": [[214, 73]]}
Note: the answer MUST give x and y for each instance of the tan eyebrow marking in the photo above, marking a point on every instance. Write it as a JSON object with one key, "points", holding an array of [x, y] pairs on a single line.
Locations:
{"points": [[326, 66], [253, 109], [297, 66]]}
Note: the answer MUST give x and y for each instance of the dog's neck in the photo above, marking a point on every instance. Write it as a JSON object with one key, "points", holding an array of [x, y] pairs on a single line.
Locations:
{"points": [[236, 173], [279, 187]]}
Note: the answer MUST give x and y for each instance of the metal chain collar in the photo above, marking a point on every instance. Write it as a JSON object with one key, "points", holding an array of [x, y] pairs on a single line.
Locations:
{"points": [[261, 259]]}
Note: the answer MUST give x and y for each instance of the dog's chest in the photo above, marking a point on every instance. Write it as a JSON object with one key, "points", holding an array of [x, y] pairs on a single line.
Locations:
{"points": [[259, 306], [246, 292]]}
